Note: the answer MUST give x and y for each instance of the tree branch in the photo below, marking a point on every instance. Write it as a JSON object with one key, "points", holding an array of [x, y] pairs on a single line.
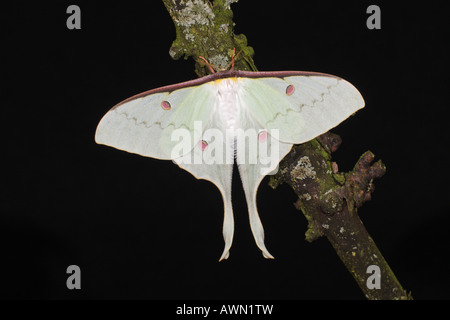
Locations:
{"points": [[207, 30], [329, 199]]}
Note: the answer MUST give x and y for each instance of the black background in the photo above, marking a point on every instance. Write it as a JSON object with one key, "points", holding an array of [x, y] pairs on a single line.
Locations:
{"points": [[143, 228]]}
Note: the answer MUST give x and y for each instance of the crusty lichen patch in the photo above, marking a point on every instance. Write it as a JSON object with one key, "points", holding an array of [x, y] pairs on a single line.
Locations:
{"points": [[223, 28], [220, 61], [195, 12], [303, 169], [188, 36]]}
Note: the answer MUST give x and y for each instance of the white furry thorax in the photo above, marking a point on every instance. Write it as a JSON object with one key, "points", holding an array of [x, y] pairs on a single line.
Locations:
{"points": [[228, 103]]}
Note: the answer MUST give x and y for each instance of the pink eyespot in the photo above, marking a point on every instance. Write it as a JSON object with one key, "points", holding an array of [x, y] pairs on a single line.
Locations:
{"points": [[262, 136], [202, 145], [290, 89], [166, 105]]}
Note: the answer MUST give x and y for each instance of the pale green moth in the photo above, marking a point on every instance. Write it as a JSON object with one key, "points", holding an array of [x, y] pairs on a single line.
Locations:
{"points": [[253, 118]]}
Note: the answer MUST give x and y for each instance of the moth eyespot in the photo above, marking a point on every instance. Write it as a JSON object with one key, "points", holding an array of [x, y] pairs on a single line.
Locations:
{"points": [[290, 89], [202, 145], [166, 105], [262, 136]]}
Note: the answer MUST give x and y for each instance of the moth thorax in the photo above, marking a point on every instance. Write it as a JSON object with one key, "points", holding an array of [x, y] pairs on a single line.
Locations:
{"points": [[228, 103]]}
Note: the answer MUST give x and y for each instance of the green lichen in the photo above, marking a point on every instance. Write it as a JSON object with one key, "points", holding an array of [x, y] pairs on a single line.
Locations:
{"points": [[339, 177], [314, 231], [207, 30], [318, 148]]}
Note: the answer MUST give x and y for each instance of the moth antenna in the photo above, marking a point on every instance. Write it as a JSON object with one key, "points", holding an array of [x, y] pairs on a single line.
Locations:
{"points": [[209, 65], [233, 58]]}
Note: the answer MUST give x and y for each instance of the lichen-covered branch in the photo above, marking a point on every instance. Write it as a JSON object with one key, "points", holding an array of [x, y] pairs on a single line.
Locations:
{"points": [[329, 199], [207, 29]]}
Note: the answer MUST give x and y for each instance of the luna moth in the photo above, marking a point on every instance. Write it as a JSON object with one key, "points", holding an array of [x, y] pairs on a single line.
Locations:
{"points": [[251, 118]]}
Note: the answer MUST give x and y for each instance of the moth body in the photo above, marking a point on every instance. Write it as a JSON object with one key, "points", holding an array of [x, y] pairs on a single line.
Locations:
{"points": [[216, 115]]}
